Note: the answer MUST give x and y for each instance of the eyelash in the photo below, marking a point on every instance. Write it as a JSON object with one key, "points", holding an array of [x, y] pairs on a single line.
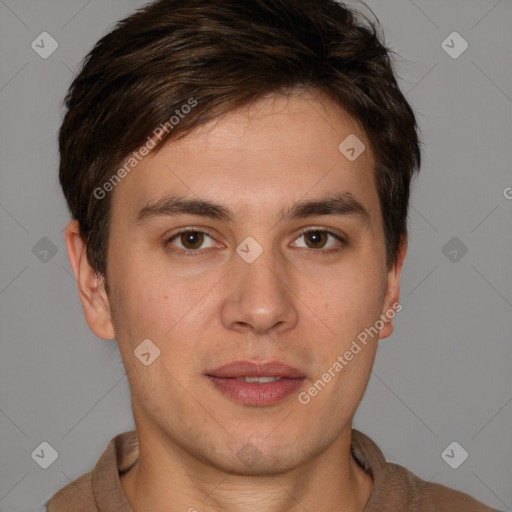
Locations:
{"points": [[190, 252]]}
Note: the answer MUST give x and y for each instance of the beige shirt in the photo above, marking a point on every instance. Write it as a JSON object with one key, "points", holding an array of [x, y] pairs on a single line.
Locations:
{"points": [[395, 488]]}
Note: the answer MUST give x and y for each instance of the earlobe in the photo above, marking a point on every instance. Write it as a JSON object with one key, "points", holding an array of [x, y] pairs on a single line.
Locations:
{"points": [[91, 289], [391, 301]]}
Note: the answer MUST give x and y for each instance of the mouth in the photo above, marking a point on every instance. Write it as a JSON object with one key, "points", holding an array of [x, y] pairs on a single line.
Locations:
{"points": [[254, 383], [260, 380]]}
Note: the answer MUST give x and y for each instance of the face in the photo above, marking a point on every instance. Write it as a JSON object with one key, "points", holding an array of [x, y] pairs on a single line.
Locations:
{"points": [[286, 265]]}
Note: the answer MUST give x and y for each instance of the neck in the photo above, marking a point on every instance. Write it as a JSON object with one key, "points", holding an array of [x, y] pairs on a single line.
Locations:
{"points": [[171, 480]]}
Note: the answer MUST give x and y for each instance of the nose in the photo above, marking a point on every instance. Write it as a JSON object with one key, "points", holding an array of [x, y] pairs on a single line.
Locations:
{"points": [[260, 297]]}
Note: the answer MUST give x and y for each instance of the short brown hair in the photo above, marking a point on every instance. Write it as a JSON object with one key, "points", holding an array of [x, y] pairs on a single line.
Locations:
{"points": [[225, 54]]}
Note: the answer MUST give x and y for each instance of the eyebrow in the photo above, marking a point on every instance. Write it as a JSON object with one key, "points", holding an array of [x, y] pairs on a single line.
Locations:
{"points": [[342, 204]]}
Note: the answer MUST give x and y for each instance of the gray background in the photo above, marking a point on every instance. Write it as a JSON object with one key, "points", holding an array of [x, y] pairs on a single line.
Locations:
{"points": [[445, 373]]}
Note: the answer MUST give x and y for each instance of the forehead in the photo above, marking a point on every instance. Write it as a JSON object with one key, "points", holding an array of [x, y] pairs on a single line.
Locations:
{"points": [[274, 152]]}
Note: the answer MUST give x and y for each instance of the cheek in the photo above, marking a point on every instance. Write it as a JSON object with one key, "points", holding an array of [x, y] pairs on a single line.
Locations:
{"points": [[163, 309], [141, 290], [348, 300]]}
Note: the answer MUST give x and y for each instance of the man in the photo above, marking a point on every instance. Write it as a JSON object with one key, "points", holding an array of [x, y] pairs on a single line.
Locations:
{"points": [[238, 175]]}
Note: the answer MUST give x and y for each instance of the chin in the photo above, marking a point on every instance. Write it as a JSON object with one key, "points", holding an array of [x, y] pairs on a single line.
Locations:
{"points": [[265, 466]]}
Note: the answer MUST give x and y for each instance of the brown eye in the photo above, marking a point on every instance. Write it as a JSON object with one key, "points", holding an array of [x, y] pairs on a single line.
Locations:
{"points": [[192, 239], [190, 242], [318, 240]]}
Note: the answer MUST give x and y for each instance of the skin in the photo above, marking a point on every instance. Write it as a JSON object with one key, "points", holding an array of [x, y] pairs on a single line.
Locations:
{"points": [[295, 303]]}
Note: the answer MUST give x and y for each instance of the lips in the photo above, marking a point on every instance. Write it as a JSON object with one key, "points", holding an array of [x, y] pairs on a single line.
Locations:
{"points": [[256, 384], [239, 369]]}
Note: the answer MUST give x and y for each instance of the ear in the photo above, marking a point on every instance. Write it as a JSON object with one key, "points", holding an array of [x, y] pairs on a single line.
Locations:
{"points": [[91, 287], [393, 291]]}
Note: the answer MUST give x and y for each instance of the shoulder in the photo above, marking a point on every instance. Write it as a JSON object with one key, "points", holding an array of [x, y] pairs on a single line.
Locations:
{"points": [[433, 497], [397, 488], [75, 496], [100, 488]]}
